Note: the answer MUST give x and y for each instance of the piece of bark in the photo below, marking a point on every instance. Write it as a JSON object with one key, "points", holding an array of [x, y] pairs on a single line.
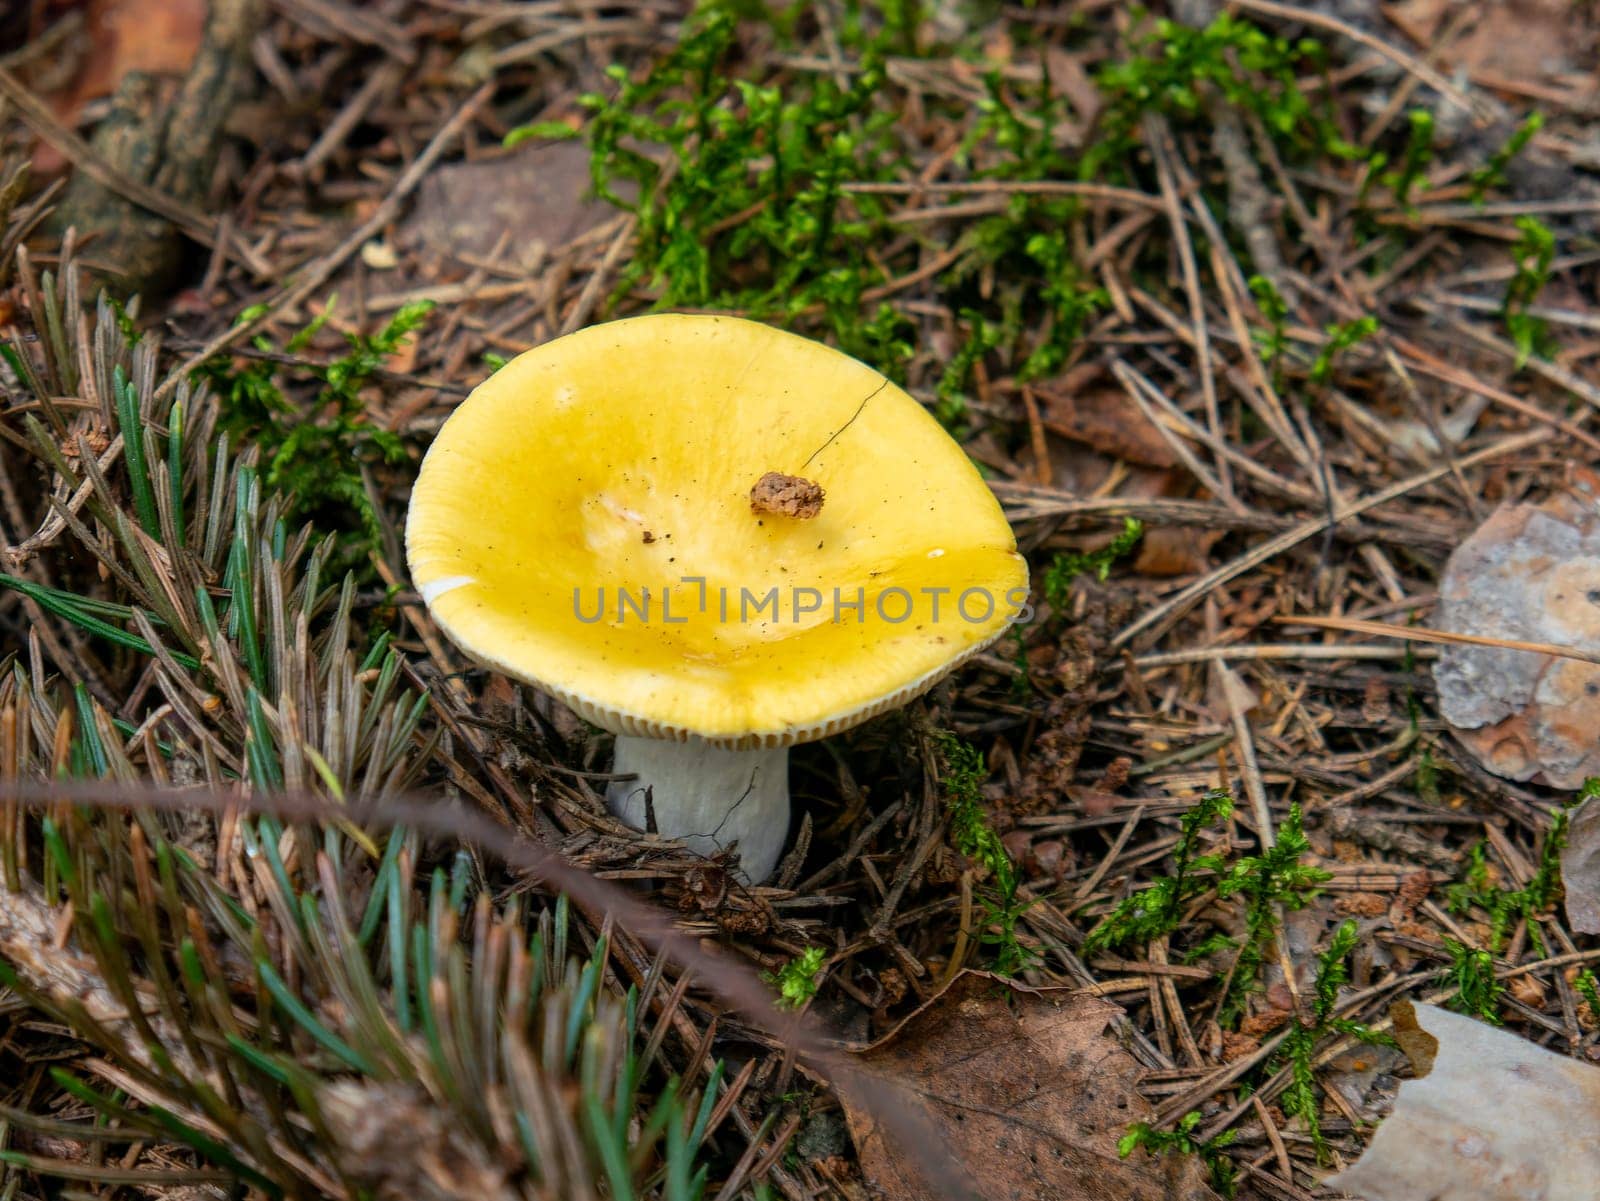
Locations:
{"points": [[170, 145]]}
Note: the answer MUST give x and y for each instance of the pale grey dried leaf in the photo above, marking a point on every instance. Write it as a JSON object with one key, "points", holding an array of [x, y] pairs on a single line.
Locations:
{"points": [[537, 199], [1491, 1117], [1580, 869], [1529, 573]]}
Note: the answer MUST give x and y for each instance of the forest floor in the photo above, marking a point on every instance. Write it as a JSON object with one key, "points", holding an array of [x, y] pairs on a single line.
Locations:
{"points": [[1250, 313]]}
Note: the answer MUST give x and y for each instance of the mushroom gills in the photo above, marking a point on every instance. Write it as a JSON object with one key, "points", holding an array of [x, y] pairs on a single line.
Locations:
{"points": [[707, 796]]}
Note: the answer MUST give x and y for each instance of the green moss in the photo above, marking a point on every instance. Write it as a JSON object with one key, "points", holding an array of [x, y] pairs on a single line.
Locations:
{"points": [[1067, 566], [972, 835], [314, 452], [1535, 253], [1301, 1098], [1181, 1140], [751, 212], [1174, 65], [1269, 883], [1156, 911], [796, 981]]}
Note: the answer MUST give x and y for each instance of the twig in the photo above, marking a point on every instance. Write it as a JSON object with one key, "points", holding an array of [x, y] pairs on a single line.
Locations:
{"points": [[600, 276], [1276, 650], [1429, 76], [1042, 187], [737, 984], [1162, 147], [388, 75], [1384, 629], [322, 270], [1309, 529], [358, 24]]}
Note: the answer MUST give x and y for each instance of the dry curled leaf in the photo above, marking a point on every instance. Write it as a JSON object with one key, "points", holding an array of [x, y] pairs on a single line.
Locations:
{"points": [[1104, 418], [1490, 1117], [1029, 1087], [1169, 550]]}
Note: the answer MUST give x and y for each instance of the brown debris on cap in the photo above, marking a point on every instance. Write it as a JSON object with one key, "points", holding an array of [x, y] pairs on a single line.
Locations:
{"points": [[786, 496], [1529, 573]]}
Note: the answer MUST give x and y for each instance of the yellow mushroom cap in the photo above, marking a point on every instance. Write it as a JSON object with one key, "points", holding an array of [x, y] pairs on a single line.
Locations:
{"points": [[617, 463]]}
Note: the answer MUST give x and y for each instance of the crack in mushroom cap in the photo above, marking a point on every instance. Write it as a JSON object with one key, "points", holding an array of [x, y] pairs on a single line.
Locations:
{"points": [[620, 459]]}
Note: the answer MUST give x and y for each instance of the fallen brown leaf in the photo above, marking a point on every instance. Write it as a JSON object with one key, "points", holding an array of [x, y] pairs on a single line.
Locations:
{"points": [[1167, 551], [1104, 418], [1255, 1025], [1027, 1087], [138, 35], [1419, 20], [1237, 1046], [1099, 436], [1523, 39], [1361, 904]]}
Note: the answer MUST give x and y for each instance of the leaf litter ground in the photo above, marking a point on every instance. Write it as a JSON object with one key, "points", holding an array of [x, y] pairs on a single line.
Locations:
{"points": [[1250, 316]]}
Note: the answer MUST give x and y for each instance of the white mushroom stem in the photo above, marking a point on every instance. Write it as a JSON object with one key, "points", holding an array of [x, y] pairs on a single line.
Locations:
{"points": [[707, 796]]}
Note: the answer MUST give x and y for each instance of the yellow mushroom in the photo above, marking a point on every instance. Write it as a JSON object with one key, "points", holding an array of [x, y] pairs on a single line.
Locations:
{"points": [[588, 521]]}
